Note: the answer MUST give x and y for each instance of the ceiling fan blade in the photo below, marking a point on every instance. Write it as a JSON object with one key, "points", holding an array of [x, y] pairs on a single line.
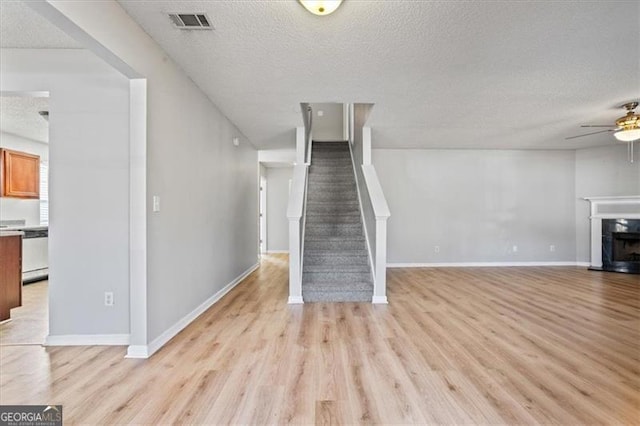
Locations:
{"points": [[589, 134], [598, 125]]}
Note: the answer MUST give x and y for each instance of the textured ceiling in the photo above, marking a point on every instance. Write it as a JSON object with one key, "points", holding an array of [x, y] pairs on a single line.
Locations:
{"points": [[446, 74], [21, 27], [19, 116]]}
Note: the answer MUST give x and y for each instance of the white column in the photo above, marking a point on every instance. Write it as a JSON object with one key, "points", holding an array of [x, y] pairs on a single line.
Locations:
{"points": [[596, 242], [380, 284], [295, 282]]}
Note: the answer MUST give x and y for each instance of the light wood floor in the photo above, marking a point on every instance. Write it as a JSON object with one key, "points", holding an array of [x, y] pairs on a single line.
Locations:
{"points": [[29, 323], [483, 345]]}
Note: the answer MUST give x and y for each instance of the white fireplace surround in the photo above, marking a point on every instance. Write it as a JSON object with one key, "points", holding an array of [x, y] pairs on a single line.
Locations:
{"points": [[621, 207]]}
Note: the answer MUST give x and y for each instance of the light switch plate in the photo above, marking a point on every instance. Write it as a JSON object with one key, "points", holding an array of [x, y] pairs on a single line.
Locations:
{"points": [[156, 203]]}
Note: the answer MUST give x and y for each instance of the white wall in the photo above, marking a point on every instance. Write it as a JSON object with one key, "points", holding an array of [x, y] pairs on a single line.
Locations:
{"points": [[206, 234], [330, 126], [15, 208], [277, 200], [477, 204], [602, 171], [88, 187]]}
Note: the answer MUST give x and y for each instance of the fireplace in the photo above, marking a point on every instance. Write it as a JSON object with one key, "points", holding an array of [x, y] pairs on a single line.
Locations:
{"points": [[621, 245], [615, 233]]}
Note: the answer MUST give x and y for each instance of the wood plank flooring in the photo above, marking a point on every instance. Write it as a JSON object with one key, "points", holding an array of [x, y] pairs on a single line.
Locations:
{"points": [[466, 346], [29, 323]]}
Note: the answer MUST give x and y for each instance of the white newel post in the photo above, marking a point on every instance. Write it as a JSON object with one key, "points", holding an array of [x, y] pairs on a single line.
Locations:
{"points": [[381, 214], [295, 282], [380, 284], [295, 214]]}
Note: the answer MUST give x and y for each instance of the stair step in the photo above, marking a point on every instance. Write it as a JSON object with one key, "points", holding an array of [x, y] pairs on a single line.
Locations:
{"points": [[338, 286], [335, 268], [332, 178], [330, 144], [333, 158], [344, 277], [333, 207], [330, 260], [338, 219], [343, 172], [333, 230], [330, 188], [338, 297], [334, 164], [336, 253], [334, 244], [336, 183], [328, 159], [335, 197], [341, 219]]}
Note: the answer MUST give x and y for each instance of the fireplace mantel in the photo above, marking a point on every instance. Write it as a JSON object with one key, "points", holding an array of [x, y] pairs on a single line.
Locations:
{"points": [[618, 207]]}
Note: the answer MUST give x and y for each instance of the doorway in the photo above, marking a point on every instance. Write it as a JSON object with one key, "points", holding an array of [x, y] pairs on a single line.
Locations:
{"points": [[24, 133]]}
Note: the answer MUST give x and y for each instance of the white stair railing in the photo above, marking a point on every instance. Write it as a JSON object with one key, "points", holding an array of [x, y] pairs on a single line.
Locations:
{"points": [[296, 215], [375, 211], [296, 210], [381, 214]]}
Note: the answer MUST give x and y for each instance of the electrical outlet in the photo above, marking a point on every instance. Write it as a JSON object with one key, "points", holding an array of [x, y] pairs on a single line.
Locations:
{"points": [[108, 298], [552, 248], [514, 249], [436, 249]]}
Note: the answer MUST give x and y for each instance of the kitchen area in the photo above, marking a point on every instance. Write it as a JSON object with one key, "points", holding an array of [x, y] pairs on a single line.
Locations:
{"points": [[24, 206]]}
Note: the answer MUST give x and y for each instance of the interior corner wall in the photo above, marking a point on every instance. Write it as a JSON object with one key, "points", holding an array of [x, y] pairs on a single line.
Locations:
{"points": [[16, 208], [88, 185], [206, 233], [278, 182], [601, 171], [475, 205]]}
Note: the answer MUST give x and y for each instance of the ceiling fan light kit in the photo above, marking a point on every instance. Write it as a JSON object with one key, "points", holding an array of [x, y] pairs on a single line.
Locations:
{"points": [[320, 7], [629, 125]]}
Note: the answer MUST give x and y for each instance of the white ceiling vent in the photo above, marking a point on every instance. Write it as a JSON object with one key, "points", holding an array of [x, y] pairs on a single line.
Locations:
{"points": [[190, 21]]}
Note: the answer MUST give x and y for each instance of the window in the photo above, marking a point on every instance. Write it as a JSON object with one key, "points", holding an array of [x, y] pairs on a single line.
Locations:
{"points": [[44, 193]]}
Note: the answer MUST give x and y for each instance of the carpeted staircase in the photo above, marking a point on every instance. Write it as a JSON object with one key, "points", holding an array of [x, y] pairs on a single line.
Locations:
{"points": [[336, 262]]}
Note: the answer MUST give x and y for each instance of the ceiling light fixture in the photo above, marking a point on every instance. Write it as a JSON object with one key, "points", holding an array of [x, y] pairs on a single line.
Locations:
{"points": [[320, 7], [629, 125]]}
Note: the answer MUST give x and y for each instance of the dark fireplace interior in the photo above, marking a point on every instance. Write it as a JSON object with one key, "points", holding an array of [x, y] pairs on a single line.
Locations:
{"points": [[621, 245]]}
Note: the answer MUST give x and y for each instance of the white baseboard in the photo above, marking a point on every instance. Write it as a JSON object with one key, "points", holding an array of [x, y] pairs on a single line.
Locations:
{"points": [[379, 300], [482, 264], [585, 264], [87, 340], [277, 251], [145, 351], [137, 351], [295, 300]]}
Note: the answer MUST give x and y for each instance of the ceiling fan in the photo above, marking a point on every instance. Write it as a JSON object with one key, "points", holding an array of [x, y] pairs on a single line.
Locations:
{"points": [[627, 128]]}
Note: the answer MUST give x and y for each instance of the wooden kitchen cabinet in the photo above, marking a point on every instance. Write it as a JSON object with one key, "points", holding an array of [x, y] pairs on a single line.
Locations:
{"points": [[20, 177], [10, 272]]}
